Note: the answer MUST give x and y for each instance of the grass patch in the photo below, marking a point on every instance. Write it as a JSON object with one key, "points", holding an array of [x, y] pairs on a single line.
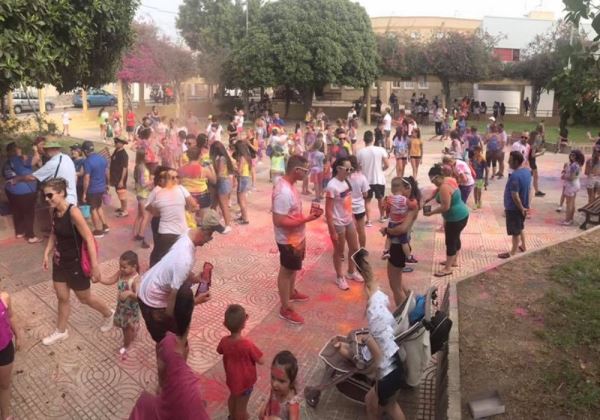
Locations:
{"points": [[25, 141], [577, 134], [572, 326]]}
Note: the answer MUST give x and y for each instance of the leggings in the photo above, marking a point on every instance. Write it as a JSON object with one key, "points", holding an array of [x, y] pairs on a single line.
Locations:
{"points": [[22, 208], [452, 232]]}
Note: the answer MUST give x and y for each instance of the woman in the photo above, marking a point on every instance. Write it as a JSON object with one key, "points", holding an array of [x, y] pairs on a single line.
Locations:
{"points": [[21, 196], [168, 202], [400, 147], [416, 151], [592, 173], [196, 177], [454, 211], [102, 121], [69, 231], [224, 169], [535, 150], [143, 185], [338, 213], [360, 189], [244, 171], [572, 184]]}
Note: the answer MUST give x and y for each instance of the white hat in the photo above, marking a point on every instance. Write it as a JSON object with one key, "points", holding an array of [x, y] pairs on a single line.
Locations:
{"points": [[492, 119]]}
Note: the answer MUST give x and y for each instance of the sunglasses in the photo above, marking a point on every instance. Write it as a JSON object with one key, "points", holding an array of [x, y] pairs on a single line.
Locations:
{"points": [[49, 196], [302, 168], [346, 169], [524, 138]]}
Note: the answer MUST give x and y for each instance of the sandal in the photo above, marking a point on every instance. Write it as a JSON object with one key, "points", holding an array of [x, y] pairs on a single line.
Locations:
{"points": [[443, 273], [504, 255], [522, 248], [444, 263]]}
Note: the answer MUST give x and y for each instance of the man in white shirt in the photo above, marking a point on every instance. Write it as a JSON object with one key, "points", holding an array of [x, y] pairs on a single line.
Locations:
{"points": [[373, 161], [503, 142], [159, 285], [58, 166], [522, 146], [387, 128], [289, 225]]}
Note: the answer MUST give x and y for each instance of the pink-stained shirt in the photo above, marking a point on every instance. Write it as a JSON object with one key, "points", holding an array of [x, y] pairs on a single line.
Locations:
{"points": [[398, 207]]}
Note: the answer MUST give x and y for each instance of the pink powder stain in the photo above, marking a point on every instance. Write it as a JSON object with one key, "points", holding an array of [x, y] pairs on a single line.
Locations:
{"points": [[325, 298], [521, 312], [484, 296]]}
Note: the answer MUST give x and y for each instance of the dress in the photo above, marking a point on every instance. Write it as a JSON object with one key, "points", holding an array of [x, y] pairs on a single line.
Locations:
{"points": [[283, 409], [127, 312]]}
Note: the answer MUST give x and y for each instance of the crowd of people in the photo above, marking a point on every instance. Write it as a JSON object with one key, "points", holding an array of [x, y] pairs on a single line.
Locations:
{"points": [[184, 175]]}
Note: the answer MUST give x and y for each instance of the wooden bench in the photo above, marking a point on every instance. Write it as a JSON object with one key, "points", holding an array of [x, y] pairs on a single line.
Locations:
{"points": [[591, 210]]}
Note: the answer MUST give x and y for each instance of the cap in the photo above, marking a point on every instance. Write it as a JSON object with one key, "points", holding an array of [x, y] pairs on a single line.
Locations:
{"points": [[492, 119], [75, 146], [212, 222], [52, 145], [87, 146], [120, 140]]}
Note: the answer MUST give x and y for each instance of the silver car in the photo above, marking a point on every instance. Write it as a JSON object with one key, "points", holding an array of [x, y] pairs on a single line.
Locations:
{"points": [[22, 103]]}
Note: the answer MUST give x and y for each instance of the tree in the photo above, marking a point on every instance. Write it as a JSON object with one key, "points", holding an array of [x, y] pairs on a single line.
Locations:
{"points": [[316, 42], [456, 57], [583, 9], [542, 60], [401, 55], [69, 43]]}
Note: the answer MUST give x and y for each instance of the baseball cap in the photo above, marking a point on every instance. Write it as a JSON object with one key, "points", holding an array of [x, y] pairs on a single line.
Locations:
{"points": [[212, 222], [120, 140], [87, 146], [492, 119], [75, 146]]}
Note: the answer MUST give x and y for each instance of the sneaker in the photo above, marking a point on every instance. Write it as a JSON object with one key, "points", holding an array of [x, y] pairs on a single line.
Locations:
{"points": [[107, 324], [341, 283], [117, 211], [566, 223], [385, 254], [540, 194], [407, 269], [122, 214], [291, 316], [355, 277], [123, 353], [98, 234], [55, 337], [411, 260], [242, 222], [369, 224], [559, 209], [226, 230], [296, 296], [383, 219], [105, 228]]}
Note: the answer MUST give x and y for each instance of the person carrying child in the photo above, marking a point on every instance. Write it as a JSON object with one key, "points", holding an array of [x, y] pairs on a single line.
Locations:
{"points": [[240, 357], [284, 402], [480, 167], [397, 207], [127, 312]]}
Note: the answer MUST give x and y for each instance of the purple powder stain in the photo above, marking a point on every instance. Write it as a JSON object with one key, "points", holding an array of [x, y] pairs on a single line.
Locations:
{"points": [[522, 312]]}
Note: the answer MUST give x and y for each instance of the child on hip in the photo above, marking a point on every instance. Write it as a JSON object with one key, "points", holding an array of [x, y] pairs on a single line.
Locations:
{"points": [[397, 207]]}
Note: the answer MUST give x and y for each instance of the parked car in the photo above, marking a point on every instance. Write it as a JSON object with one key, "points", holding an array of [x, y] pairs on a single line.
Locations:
{"points": [[95, 97], [28, 101]]}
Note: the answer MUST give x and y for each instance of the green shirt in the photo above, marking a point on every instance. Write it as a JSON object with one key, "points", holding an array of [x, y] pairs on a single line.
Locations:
{"points": [[458, 209]]}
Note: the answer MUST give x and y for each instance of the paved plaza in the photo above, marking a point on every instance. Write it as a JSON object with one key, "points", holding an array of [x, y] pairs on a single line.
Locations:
{"points": [[83, 378]]}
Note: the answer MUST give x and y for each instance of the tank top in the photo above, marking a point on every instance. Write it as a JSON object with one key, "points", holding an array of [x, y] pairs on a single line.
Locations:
{"points": [[5, 330], [245, 170], [416, 147], [458, 209], [66, 235]]}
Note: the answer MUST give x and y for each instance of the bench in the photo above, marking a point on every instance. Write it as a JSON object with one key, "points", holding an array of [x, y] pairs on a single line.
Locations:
{"points": [[591, 210]]}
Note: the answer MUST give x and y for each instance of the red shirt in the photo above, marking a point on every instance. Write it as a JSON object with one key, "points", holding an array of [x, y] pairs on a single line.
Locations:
{"points": [[130, 119], [239, 359]]}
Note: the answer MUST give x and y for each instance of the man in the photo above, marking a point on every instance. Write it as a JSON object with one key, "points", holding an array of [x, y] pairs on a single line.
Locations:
{"points": [[95, 180], [374, 161], [277, 120], [526, 105], [516, 202], [159, 285], [522, 146], [378, 104], [503, 137], [289, 225], [119, 162], [59, 165], [387, 128], [39, 154]]}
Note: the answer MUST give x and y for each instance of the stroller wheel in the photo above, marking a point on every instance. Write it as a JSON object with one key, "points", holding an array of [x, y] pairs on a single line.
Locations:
{"points": [[312, 396]]}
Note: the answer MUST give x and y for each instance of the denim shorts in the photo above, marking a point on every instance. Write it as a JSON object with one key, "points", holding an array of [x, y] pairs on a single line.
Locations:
{"points": [[244, 184], [223, 186]]}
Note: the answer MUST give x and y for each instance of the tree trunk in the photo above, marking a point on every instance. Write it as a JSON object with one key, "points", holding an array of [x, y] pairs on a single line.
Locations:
{"points": [[84, 104], [446, 92], [367, 99], [288, 98], [307, 97], [42, 100], [142, 93], [10, 104], [536, 91], [120, 98]]}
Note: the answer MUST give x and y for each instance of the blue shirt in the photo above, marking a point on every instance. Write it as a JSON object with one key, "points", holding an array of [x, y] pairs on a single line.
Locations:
{"points": [[95, 165], [16, 166], [520, 182], [78, 165]]}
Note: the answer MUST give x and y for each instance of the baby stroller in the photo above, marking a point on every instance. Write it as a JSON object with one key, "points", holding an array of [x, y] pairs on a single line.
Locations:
{"points": [[417, 333]]}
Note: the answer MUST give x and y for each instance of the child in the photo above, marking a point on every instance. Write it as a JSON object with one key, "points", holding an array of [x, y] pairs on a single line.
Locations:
{"points": [[109, 131], [397, 207], [240, 357], [244, 169], [316, 159], [284, 403], [127, 312], [572, 184], [479, 165], [9, 328], [143, 185]]}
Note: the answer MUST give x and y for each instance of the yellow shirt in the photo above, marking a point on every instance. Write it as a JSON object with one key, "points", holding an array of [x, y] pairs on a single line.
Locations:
{"points": [[416, 147], [245, 169]]}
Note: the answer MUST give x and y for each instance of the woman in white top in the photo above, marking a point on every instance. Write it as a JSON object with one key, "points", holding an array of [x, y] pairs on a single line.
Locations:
{"points": [[168, 202], [338, 213], [360, 190]]}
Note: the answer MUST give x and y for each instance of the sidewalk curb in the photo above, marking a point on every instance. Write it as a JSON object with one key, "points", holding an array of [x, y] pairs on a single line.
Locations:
{"points": [[454, 389]]}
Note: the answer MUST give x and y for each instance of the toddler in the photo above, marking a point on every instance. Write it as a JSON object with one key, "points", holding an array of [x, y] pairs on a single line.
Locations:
{"points": [[397, 207], [316, 159], [284, 402]]}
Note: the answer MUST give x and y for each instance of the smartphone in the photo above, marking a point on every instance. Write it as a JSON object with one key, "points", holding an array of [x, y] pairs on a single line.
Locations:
{"points": [[358, 258], [205, 278]]}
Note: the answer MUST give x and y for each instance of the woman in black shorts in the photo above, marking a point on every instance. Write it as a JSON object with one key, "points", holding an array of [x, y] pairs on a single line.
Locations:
{"points": [[69, 231], [535, 150], [8, 330]]}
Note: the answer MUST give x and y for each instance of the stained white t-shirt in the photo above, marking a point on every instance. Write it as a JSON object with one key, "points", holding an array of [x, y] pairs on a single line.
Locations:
{"points": [[168, 274], [171, 205], [360, 185], [387, 122], [381, 326], [60, 166], [341, 194], [462, 167], [371, 159], [286, 201]]}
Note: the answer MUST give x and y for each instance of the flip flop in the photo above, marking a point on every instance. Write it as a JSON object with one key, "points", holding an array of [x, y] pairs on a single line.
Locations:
{"points": [[34, 240], [442, 274], [504, 255], [521, 248], [444, 263]]}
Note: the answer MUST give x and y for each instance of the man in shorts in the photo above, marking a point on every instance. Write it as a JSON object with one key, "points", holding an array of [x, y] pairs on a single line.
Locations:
{"points": [[159, 285], [95, 174], [119, 162], [289, 225], [516, 202], [374, 161]]}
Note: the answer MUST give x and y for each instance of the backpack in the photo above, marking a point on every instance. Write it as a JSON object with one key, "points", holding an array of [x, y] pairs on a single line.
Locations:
{"points": [[439, 327]]}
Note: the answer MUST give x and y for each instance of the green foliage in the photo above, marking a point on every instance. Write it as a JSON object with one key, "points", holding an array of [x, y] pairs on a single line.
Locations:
{"points": [[583, 9], [67, 43], [251, 65]]}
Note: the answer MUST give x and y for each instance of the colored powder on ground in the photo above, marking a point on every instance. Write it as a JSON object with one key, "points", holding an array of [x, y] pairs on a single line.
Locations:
{"points": [[522, 312]]}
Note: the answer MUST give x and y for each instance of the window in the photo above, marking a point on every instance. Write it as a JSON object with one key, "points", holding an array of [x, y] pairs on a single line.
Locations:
{"points": [[422, 82], [333, 86], [408, 84], [397, 84], [349, 88], [515, 55]]}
